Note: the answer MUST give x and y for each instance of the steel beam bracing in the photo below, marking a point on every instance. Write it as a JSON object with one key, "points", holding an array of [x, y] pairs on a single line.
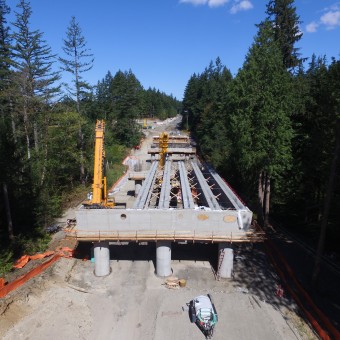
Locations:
{"points": [[164, 198], [146, 188], [211, 200], [188, 202], [231, 196]]}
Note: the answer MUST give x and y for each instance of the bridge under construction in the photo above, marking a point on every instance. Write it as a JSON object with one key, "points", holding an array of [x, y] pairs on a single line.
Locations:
{"points": [[178, 199]]}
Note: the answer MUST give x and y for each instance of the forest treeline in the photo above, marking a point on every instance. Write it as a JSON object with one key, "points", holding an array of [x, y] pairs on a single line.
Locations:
{"points": [[273, 129], [47, 126]]}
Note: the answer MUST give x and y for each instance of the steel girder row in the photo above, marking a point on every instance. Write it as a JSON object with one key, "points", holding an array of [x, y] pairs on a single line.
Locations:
{"points": [[234, 201], [164, 199], [188, 202], [209, 196], [144, 192]]}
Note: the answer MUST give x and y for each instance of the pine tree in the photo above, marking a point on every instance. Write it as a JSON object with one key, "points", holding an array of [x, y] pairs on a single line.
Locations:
{"points": [[5, 60], [261, 129], [79, 60], [34, 75], [331, 130], [126, 93], [6, 109], [4, 119], [285, 23], [104, 96]]}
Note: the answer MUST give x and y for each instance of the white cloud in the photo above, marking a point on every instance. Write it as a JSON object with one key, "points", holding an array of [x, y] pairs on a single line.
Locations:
{"points": [[210, 3], [217, 3], [241, 5], [331, 19], [194, 2], [312, 27], [333, 8]]}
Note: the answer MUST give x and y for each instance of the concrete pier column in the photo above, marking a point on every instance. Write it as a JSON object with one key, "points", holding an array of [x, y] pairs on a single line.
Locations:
{"points": [[101, 258], [138, 185], [225, 261], [163, 258]]}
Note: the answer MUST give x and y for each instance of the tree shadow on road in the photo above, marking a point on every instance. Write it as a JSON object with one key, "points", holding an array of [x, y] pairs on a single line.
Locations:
{"points": [[254, 274]]}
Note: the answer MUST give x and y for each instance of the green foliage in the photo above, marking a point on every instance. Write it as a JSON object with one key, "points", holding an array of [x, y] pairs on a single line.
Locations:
{"points": [[285, 25], [114, 172], [204, 107], [261, 101], [32, 244], [269, 121], [6, 262], [78, 60], [46, 145]]}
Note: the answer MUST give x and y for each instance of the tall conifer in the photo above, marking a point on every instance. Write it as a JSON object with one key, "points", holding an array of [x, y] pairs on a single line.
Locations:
{"points": [[34, 75], [285, 23]]}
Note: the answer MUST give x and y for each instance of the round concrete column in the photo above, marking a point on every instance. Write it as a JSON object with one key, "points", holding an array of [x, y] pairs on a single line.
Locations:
{"points": [[225, 261], [138, 185], [101, 258], [163, 258]]}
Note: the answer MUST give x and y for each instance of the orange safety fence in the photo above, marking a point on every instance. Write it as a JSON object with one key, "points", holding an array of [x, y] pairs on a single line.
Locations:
{"points": [[20, 263], [61, 252], [41, 256], [271, 248], [32, 273]]}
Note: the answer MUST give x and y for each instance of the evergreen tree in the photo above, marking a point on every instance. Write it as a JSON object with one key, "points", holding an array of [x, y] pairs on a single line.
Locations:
{"points": [[330, 208], [191, 107], [79, 60], [211, 128], [5, 157], [104, 96], [34, 76], [126, 93], [5, 60], [260, 117], [285, 23]]}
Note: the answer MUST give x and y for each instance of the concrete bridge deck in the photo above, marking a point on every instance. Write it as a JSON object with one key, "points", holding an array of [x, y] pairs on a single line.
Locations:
{"points": [[182, 201]]}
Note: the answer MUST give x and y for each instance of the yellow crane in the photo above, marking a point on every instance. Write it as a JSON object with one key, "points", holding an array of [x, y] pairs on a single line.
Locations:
{"points": [[163, 147], [99, 191]]}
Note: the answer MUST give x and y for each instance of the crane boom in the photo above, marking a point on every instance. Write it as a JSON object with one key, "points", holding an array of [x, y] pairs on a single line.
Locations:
{"points": [[99, 158], [99, 192]]}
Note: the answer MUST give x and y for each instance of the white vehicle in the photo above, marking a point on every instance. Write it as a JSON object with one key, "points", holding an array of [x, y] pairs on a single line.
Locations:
{"points": [[202, 311]]}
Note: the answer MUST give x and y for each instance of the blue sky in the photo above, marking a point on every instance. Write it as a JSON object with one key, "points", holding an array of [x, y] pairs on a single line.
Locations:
{"points": [[164, 42]]}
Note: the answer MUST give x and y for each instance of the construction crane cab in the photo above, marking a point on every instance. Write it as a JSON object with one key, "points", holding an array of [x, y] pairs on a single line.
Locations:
{"points": [[99, 198]]}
